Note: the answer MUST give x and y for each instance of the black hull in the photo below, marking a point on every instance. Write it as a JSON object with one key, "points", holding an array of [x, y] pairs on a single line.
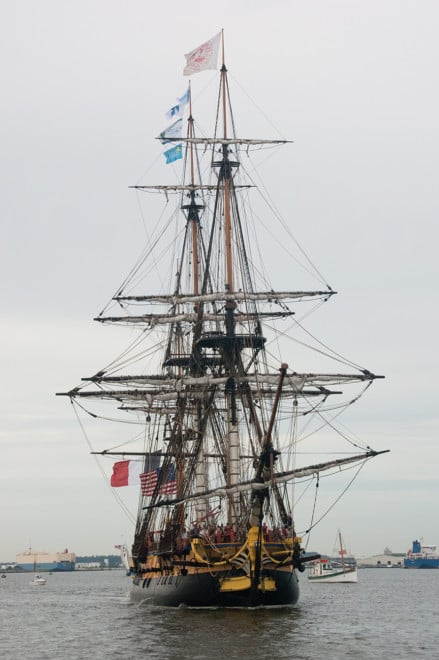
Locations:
{"points": [[203, 590]]}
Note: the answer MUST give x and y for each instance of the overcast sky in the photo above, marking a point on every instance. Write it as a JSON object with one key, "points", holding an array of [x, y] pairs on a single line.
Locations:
{"points": [[85, 86]]}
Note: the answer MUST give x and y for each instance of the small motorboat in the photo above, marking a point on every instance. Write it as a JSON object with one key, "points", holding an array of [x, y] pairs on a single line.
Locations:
{"points": [[327, 570], [38, 580]]}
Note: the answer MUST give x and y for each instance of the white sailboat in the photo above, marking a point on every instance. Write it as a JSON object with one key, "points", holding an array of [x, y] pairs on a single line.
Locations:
{"points": [[334, 570]]}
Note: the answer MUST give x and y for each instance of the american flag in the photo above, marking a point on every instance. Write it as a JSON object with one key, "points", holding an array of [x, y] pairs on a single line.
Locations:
{"points": [[149, 480]]}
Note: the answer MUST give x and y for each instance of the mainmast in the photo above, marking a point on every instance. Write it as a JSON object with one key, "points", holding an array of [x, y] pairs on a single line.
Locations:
{"points": [[231, 354], [226, 178]]}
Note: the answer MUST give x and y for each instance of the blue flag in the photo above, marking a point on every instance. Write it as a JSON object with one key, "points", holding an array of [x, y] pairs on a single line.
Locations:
{"points": [[173, 154]]}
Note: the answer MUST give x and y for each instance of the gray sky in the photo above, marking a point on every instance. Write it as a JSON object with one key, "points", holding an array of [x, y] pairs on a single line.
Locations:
{"points": [[85, 86]]}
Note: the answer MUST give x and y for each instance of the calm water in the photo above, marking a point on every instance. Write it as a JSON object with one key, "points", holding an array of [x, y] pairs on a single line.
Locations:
{"points": [[390, 613]]}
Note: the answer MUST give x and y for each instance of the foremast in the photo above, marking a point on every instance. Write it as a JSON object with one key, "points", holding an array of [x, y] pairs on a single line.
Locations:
{"points": [[193, 210]]}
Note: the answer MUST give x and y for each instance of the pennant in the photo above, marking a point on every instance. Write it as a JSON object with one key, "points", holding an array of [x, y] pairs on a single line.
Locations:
{"points": [[173, 154], [149, 480], [173, 131], [126, 473], [204, 57]]}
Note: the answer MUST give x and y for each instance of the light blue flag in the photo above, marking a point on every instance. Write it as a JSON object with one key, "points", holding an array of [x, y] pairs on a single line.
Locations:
{"points": [[173, 131], [184, 100], [173, 154], [177, 110]]}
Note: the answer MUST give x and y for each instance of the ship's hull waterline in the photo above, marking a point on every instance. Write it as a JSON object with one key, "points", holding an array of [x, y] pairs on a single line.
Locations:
{"points": [[337, 577], [204, 590], [54, 567], [430, 562]]}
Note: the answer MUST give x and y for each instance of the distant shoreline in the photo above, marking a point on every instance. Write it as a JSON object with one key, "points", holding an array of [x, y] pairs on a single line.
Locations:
{"points": [[76, 570]]}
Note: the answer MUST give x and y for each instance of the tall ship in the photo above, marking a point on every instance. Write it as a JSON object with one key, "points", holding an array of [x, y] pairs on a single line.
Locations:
{"points": [[34, 561], [421, 556], [216, 417]]}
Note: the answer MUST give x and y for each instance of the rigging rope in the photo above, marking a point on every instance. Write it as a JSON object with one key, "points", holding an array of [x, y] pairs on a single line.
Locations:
{"points": [[313, 524], [118, 499], [313, 509]]}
